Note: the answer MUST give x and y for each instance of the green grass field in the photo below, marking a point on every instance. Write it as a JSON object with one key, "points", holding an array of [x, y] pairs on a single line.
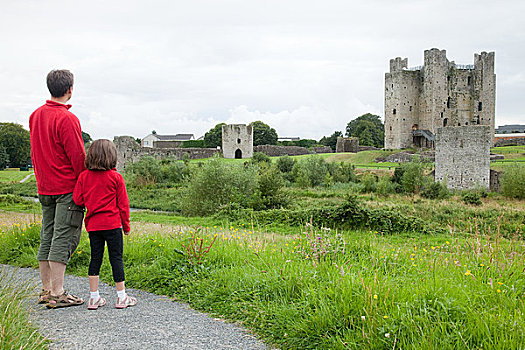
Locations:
{"points": [[320, 289]]}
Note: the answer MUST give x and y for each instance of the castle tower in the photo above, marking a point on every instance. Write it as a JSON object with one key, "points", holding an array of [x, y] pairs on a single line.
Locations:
{"points": [[237, 141], [438, 94]]}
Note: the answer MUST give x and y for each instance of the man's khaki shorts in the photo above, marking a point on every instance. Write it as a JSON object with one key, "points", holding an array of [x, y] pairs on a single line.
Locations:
{"points": [[61, 227]]}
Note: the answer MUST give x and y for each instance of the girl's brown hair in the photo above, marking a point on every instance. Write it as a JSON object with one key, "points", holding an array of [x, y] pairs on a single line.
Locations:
{"points": [[101, 155]]}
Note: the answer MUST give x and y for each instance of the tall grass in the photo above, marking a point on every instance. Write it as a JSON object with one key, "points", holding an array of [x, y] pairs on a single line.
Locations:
{"points": [[16, 330], [319, 289]]}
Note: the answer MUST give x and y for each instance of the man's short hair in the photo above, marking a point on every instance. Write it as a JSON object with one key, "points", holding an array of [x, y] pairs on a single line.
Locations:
{"points": [[59, 82]]}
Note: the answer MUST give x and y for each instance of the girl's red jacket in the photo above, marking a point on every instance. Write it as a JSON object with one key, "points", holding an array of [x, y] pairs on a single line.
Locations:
{"points": [[103, 192]]}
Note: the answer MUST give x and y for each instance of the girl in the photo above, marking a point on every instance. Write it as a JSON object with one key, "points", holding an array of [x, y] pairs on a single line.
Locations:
{"points": [[102, 190]]}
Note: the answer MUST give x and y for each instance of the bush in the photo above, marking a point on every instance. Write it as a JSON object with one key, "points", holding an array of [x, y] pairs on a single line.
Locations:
{"points": [[385, 187], [148, 171], [471, 197], [413, 177], [259, 157], [215, 185], [434, 190], [285, 164], [369, 182], [310, 172], [513, 181], [193, 144], [270, 192], [342, 172]]}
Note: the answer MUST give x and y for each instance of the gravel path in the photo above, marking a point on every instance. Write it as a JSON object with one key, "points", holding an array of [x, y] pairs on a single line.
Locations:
{"points": [[154, 323]]}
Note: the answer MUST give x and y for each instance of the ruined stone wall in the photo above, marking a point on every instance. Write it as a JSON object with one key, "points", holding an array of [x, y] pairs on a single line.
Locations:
{"points": [[166, 144], [463, 156], [237, 141], [438, 94], [510, 141], [277, 151], [322, 149], [128, 150], [347, 144]]}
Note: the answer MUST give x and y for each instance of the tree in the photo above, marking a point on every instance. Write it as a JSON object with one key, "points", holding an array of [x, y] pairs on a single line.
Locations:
{"points": [[331, 140], [15, 140], [154, 132], [4, 158], [86, 137], [263, 134], [213, 138], [371, 126]]}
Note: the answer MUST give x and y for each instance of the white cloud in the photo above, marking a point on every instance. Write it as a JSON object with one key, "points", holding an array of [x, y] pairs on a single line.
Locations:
{"points": [[304, 67]]}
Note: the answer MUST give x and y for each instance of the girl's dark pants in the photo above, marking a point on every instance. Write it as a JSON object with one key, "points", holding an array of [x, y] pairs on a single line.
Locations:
{"points": [[97, 241]]}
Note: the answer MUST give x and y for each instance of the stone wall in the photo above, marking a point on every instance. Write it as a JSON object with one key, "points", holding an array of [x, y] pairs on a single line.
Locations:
{"points": [[277, 151], [128, 150], [237, 141], [166, 144], [322, 149], [463, 156], [506, 142], [347, 144]]}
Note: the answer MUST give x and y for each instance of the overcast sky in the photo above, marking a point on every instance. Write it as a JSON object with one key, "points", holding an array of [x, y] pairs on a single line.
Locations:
{"points": [[305, 67]]}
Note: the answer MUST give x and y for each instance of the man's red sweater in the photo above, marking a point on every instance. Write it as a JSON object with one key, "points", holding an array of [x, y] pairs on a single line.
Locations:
{"points": [[103, 192], [57, 149]]}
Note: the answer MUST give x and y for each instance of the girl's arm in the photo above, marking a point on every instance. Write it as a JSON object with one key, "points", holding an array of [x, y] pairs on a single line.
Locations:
{"points": [[78, 196], [123, 203]]}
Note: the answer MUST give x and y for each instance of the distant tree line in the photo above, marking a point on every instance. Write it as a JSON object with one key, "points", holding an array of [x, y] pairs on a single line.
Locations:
{"points": [[368, 128]]}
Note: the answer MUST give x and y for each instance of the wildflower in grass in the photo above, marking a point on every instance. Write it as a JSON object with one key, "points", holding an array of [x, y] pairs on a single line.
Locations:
{"points": [[375, 296], [499, 290], [447, 242], [387, 335], [363, 318], [467, 273], [500, 283], [385, 317]]}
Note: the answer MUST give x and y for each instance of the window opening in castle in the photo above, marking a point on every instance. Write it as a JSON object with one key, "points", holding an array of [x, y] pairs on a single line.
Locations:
{"points": [[445, 122], [410, 108], [448, 77], [394, 111], [238, 154], [448, 102], [238, 140], [480, 107], [477, 120], [468, 81]]}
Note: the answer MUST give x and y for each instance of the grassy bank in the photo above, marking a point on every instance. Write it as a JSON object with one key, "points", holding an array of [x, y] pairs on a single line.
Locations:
{"points": [[16, 330], [319, 289]]}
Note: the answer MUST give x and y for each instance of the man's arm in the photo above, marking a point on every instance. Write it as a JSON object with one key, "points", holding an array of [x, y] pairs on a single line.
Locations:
{"points": [[71, 137], [78, 196]]}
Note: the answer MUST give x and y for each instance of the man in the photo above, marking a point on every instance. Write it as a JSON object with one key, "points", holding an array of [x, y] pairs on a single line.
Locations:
{"points": [[58, 154]]}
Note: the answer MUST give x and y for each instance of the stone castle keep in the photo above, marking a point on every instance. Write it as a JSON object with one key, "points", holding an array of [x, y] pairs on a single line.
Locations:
{"points": [[438, 94]]}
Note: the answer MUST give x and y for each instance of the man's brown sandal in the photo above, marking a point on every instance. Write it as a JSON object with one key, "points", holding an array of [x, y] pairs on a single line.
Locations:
{"points": [[43, 297], [63, 300]]}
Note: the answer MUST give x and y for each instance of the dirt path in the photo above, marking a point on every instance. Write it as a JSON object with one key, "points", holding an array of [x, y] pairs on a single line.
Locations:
{"points": [[155, 323]]}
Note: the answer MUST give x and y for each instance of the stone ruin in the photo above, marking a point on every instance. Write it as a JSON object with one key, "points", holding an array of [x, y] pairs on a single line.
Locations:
{"points": [[441, 93], [347, 144], [237, 141], [463, 156], [129, 150]]}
